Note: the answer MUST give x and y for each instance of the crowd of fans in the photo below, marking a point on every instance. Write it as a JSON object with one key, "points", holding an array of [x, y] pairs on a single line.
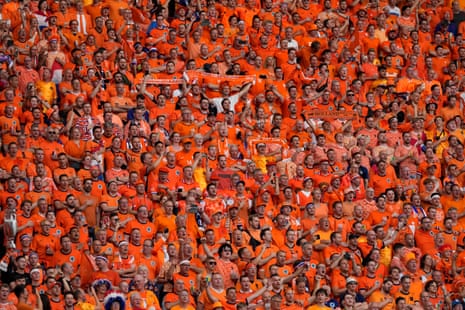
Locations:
{"points": [[234, 154]]}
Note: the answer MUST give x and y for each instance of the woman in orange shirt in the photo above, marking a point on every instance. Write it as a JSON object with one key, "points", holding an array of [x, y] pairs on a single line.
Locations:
{"points": [[304, 196], [226, 267], [321, 208], [393, 204], [75, 148], [427, 266], [269, 65], [436, 295], [175, 145]]}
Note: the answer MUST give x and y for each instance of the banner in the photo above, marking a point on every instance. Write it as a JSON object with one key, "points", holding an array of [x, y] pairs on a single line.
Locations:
{"points": [[193, 75], [322, 114], [164, 82], [196, 76]]}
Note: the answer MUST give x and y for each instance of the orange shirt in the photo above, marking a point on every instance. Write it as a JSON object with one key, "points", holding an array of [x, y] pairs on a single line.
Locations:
{"points": [[70, 172], [40, 243], [147, 230], [77, 149], [9, 125], [425, 242], [74, 258]]}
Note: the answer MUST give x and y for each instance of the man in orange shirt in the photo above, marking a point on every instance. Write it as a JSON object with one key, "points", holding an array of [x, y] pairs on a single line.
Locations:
{"points": [[63, 168], [185, 274], [103, 271], [381, 179], [406, 292], [45, 244], [338, 222], [161, 186], [424, 237], [149, 299], [335, 248], [213, 203], [67, 254], [117, 174], [134, 189], [9, 125], [267, 249], [24, 220], [173, 170], [13, 191], [37, 192], [51, 148], [187, 183], [148, 259], [407, 154], [223, 174], [186, 156], [14, 158], [217, 290], [143, 223]]}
